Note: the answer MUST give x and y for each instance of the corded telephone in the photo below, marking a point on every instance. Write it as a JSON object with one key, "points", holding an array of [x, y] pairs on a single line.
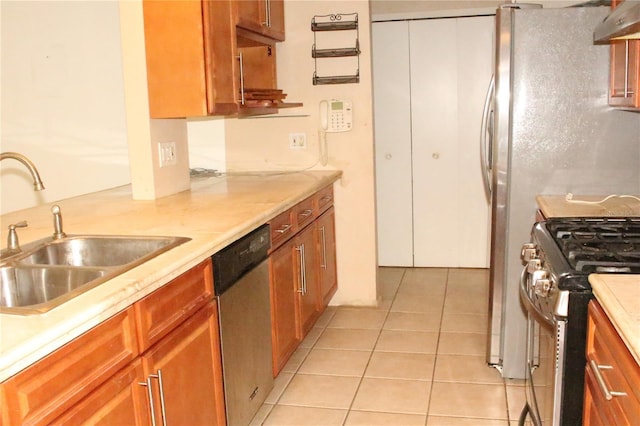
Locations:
{"points": [[335, 116]]}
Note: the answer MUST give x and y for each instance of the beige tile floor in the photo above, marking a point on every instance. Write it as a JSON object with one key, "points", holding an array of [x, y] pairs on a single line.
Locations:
{"points": [[417, 359]]}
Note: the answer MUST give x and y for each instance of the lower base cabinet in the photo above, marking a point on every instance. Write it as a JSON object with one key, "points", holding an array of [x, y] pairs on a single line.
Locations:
{"points": [[612, 394], [119, 401], [101, 378], [303, 274], [284, 328], [326, 237], [186, 373]]}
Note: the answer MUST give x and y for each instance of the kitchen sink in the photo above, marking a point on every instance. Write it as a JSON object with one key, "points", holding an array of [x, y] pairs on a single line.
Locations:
{"points": [[31, 285], [91, 250], [50, 272]]}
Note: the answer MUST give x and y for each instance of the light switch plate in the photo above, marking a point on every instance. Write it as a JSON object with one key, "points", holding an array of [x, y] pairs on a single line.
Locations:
{"points": [[167, 154]]}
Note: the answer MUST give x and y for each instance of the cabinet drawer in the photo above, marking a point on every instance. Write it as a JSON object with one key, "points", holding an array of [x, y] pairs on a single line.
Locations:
{"points": [[166, 308], [324, 199], [54, 384], [616, 365], [281, 228], [303, 213]]}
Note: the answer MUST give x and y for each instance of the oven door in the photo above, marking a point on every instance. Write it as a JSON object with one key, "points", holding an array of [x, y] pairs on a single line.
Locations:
{"points": [[545, 358]]}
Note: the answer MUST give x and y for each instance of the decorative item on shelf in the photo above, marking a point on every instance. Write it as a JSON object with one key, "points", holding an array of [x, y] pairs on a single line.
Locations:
{"points": [[335, 22]]}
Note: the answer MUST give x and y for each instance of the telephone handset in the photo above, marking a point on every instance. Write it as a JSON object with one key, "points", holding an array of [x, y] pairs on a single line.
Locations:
{"points": [[335, 116]]}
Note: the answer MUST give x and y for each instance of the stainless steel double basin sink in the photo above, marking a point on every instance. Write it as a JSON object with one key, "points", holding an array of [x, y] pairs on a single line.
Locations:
{"points": [[49, 272]]}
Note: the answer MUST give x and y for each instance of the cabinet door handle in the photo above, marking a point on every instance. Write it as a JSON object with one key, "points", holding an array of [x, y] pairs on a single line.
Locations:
{"points": [[303, 272], [242, 99], [150, 395], [608, 395], [267, 12], [324, 248], [158, 376], [627, 94]]}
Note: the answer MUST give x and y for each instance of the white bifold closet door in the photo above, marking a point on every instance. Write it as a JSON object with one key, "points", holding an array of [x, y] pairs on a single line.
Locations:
{"points": [[430, 81]]}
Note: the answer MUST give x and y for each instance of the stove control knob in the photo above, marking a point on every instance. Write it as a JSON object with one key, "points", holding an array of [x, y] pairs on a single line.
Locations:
{"points": [[534, 265], [542, 285], [528, 252]]}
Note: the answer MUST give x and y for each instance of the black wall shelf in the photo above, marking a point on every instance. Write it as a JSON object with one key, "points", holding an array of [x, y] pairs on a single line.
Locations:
{"points": [[335, 22]]}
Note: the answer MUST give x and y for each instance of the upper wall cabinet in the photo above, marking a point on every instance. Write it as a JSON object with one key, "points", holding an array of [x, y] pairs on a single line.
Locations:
{"points": [[263, 17], [625, 72], [200, 63]]}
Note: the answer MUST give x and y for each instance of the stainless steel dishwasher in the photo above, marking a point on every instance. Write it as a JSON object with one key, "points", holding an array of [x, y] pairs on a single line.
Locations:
{"points": [[241, 281]]}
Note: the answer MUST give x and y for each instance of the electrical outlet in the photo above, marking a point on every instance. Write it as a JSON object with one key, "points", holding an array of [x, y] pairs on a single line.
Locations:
{"points": [[298, 140], [167, 154]]}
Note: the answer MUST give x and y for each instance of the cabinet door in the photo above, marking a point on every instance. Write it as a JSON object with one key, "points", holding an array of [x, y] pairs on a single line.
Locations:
{"points": [[265, 17], [309, 297], [190, 57], [285, 335], [625, 72], [119, 401], [326, 236], [189, 362]]}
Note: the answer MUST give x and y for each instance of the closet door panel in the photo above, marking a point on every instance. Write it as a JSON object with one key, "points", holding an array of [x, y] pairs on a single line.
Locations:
{"points": [[434, 117], [392, 121], [476, 41]]}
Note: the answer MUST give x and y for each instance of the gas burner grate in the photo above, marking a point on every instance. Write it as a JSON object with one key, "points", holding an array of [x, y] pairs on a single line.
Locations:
{"points": [[602, 245]]}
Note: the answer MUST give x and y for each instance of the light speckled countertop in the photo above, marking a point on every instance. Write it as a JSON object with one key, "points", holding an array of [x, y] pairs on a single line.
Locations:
{"points": [[619, 296], [215, 212], [558, 206]]}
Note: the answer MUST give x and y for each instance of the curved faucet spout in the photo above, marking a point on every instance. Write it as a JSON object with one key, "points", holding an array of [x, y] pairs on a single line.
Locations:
{"points": [[37, 182]]}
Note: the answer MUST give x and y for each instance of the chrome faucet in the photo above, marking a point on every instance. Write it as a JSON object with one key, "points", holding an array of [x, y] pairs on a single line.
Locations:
{"points": [[37, 182]]}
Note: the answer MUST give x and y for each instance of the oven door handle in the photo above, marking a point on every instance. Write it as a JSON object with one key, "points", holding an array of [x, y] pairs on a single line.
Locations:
{"points": [[528, 301]]}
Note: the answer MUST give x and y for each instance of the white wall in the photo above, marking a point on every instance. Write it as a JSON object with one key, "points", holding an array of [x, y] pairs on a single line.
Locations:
{"points": [[62, 100], [263, 143]]}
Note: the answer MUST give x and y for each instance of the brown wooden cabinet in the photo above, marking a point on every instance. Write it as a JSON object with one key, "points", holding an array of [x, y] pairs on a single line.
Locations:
{"points": [[186, 372], [114, 373], [302, 271], [326, 237], [264, 17], [307, 279], [612, 394], [208, 58], [285, 332], [47, 389], [119, 401], [624, 72], [191, 58]]}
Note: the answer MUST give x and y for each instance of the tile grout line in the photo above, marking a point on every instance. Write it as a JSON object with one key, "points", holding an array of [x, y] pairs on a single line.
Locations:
{"points": [[388, 310]]}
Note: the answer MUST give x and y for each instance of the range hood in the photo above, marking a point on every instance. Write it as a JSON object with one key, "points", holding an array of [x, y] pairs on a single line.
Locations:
{"points": [[622, 23]]}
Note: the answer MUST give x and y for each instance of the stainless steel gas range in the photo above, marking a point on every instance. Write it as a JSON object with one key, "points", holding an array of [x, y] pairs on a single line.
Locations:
{"points": [[555, 290]]}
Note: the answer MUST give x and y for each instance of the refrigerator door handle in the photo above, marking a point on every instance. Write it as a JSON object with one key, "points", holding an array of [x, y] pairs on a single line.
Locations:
{"points": [[486, 138]]}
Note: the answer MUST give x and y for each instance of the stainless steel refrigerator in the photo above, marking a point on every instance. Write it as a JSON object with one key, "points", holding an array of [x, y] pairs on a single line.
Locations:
{"points": [[548, 130]]}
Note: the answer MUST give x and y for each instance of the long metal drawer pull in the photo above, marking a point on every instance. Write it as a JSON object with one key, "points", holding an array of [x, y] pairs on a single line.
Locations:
{"points": [[305, 213], [158, 376], [304, 271], [626, 69], [283, 229], [300, 249], [324, 249], [241, 59], [150, 395], [325, 199], [608, 395]]}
